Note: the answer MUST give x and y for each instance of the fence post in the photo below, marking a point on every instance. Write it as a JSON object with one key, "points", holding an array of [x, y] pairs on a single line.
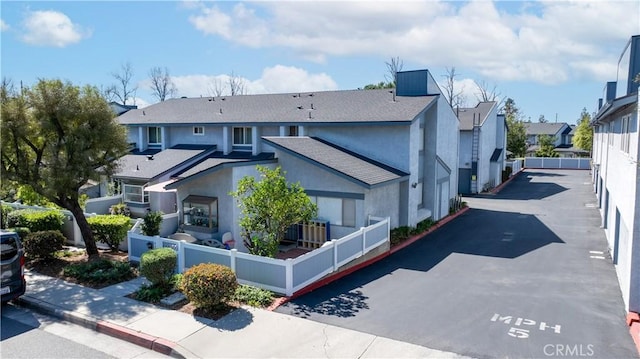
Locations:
{"points": [[364, 240], [335, 254], [181, 257], [232, 259], [289, 277]]}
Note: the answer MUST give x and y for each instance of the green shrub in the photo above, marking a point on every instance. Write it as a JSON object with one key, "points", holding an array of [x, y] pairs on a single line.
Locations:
{"points": [[154, 293], [120, 208], [157, 265], [36, 220], [43, 244], [21, 231], [151, 224], [253, 296], [208, 285], [103, 271], [4, 215], [110, 229]]}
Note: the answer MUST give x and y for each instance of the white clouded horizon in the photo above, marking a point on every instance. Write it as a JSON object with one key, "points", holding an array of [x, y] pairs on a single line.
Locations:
{"points": [[275, 79], [536, 43], [51, 28], [3, 25]]}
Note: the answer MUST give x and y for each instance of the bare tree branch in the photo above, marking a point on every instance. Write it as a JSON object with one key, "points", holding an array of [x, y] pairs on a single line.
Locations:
{"points": [[236, 85], [454, 96], [161, 84], [217, 87], [393, 67], [123, 90]]}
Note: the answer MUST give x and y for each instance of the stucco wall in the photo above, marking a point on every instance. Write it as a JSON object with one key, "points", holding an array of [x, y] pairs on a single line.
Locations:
{"points": [[386, 144], [448, 139], [184, 135], [619, 172]]}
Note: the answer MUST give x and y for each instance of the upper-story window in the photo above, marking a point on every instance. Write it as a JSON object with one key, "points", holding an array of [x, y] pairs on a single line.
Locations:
{"points": [[625, 134], [242, 136], [293, 131], [198, 130], [155, 135]]}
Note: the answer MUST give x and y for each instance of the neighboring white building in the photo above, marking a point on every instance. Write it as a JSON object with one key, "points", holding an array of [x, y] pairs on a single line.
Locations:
{"points": [[483, 140], [616, 173], [358, 153]]}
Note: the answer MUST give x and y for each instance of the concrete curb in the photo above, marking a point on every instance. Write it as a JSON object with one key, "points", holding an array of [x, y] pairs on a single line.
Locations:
{"points": [[633, 321], [505, 183], [156, 344]]}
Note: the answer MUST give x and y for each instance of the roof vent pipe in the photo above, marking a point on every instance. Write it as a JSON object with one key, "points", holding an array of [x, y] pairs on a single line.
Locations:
{"points": [[149, 157], [312, 107], [393, 93], [221, 110]]}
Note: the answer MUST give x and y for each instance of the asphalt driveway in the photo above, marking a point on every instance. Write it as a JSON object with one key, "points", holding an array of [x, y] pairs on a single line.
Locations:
{"points": [[522, 274]]}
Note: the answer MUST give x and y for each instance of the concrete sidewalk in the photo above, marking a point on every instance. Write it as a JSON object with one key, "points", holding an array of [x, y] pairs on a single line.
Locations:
{"points": [[245, 333]]}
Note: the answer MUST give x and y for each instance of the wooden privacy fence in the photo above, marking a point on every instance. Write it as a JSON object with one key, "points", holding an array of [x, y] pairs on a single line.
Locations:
{"points": [[285, 276]]}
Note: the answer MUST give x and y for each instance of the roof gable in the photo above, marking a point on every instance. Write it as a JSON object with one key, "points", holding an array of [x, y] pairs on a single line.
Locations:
{"points": [[358, 169], [480, 113]]}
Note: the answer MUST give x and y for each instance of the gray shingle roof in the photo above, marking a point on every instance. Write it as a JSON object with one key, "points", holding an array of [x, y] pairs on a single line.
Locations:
{"points": [[547, 128], [359, 106], [208, 164], [358, 169], [141, 167], [481, 111]]}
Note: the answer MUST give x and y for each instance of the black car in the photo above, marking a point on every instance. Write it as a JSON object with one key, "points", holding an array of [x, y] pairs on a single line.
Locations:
{"points": [[12, 260]]}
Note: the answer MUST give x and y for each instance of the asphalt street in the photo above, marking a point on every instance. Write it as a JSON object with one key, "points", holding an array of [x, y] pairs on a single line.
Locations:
{"points": [[524, 273]]}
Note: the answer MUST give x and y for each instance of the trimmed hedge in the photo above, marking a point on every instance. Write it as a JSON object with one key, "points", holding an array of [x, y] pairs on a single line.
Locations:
{"points": [[43, 244], [21, 231], [36, 220], [158, 265], [208, 285], [110, 229], [4, 215]]}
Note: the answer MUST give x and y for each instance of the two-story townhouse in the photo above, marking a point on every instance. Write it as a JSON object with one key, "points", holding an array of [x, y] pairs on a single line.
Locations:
{"points": [[386, 153], [616, 173], [483, 139], [560, 132]]}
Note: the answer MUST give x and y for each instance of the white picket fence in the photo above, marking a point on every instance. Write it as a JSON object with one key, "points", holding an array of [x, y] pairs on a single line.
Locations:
{"points": [[285, 276]]}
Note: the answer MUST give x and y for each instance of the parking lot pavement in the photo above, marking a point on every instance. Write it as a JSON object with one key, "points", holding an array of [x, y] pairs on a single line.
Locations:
{"points": [[524, 273]]}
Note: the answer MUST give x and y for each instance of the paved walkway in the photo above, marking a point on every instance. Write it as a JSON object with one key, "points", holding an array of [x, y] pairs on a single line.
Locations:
{"points": [[245, 333]]}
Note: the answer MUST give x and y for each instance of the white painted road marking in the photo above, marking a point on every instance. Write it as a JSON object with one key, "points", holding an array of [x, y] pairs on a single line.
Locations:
{"points": [[522, 333], [596, 257]]}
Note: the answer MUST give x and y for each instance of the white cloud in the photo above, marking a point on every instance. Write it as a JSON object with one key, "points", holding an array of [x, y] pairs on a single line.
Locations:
{"points": [[276, 79], [3, 25], [546, 42], [51, 28]]}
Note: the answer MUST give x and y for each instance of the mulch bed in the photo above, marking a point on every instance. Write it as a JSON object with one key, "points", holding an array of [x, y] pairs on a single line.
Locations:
{"points": [[54, 267]]}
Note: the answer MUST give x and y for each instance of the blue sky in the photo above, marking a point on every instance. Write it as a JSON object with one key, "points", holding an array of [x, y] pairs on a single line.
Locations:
{"points": [[553, 58]]}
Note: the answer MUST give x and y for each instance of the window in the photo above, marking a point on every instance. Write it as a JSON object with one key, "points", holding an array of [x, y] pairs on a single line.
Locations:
{"points": [[155, 135], [338, 211], [198, 130], [625, 134], [242, 136], [293, 131], [135, 193]]}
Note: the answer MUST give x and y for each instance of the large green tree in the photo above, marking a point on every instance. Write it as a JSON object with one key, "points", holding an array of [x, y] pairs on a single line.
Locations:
{"points": [[546, 147], [57, 136], [269, 207], [517, 133], [583, 137]]}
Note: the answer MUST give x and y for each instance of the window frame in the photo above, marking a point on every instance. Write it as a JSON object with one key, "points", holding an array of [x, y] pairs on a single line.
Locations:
{"points": [[158, 131], [345, 203], [246, 135], [198, 130], [141, 195]]}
